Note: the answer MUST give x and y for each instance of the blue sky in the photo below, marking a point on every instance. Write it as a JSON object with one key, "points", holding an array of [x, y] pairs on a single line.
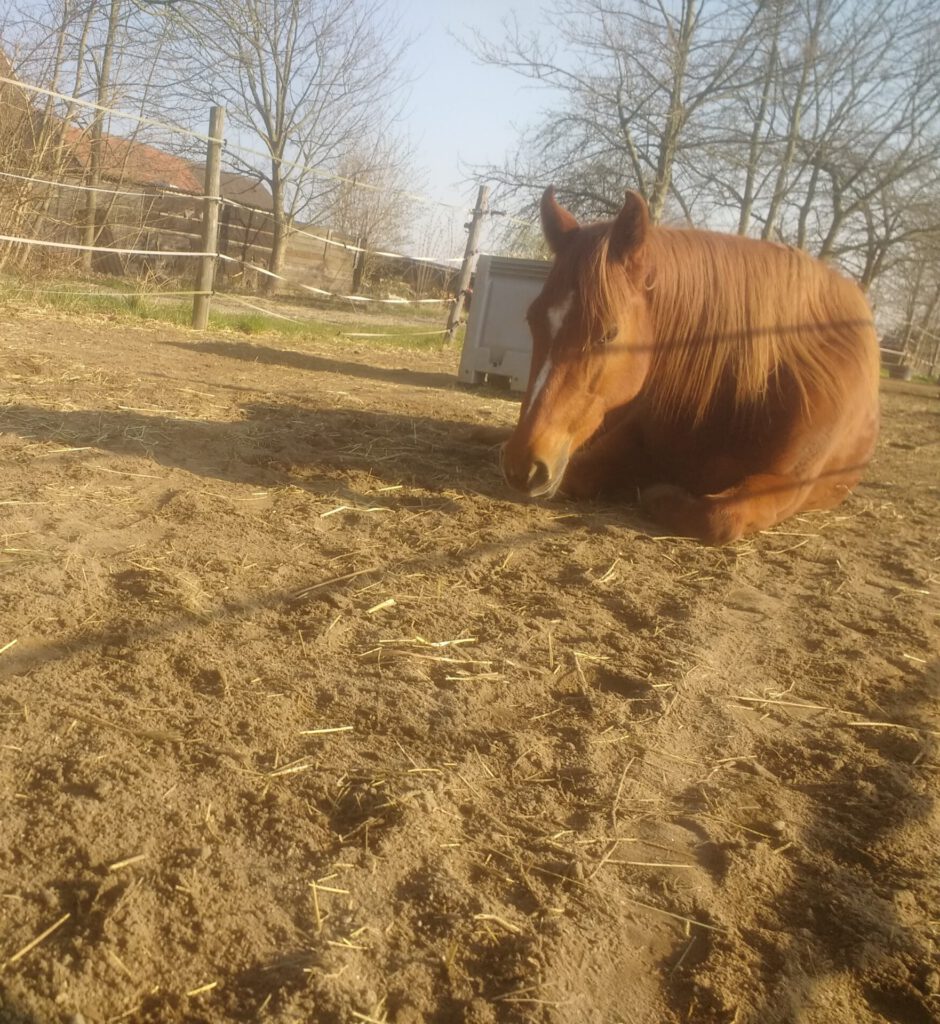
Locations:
{"points": [[461, 112]]}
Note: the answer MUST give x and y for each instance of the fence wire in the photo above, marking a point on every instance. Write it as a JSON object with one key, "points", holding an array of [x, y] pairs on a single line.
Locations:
{"points": [[234, 148]]}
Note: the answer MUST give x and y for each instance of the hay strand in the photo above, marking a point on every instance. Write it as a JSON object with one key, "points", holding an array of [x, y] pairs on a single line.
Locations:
{"points": [[20, 953]]}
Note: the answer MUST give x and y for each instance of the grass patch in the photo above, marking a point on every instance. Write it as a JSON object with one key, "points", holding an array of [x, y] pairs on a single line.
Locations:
{"points": [[78, 297]]}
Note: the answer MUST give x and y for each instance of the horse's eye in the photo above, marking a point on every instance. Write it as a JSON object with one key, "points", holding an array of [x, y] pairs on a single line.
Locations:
{"points": [[608, 336]]}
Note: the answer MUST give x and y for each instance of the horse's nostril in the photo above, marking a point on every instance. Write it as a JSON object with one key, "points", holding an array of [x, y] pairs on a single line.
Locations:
{"points": [[538, 476], [531, 476]]}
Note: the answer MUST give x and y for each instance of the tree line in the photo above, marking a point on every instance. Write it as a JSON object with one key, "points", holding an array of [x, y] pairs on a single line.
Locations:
{"points": [[811, 122], [314, 88]]}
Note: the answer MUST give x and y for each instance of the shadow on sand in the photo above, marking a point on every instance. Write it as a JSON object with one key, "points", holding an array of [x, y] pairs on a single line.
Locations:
{"points": [[251, 352], [281, 444]]}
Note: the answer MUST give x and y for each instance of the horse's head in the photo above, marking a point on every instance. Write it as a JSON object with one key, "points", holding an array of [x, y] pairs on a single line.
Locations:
{"points": [[591, 340]]}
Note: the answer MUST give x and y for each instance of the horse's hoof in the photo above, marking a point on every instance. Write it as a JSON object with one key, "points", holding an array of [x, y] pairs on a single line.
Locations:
{"points": [[659, 500]]}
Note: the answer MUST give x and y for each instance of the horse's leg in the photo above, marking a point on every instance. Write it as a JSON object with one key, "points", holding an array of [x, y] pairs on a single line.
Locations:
{"points": [[611, 464], [757, 503]]}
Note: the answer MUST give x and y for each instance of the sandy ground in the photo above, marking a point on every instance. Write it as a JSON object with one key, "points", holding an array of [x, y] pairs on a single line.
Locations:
{"points": [[305, 720]]}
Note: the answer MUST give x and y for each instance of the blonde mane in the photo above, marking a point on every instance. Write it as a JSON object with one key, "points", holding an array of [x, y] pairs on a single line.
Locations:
{"points": [[730, 315]]}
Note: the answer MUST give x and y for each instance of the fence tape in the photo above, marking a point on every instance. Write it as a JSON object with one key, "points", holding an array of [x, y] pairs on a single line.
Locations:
{"points": [[344, 334], [75, 247], [110, 295], [88, 105], [98, 248], [230, 147], [349, 246], [237, 147], [261, 309], [922, 330], [335, 295], [376, 252], [397, 334], [106, 191]]}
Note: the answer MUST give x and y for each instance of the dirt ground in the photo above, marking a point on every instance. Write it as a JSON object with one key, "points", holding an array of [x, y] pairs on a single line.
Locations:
{"points": [[304, 719]]}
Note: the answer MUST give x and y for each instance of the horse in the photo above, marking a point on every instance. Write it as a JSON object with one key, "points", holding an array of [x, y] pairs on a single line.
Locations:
{"points": [[731, 383]]}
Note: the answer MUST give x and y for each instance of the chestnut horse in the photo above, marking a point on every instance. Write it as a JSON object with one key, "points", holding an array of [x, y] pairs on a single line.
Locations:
{"points": [[732, 382]]}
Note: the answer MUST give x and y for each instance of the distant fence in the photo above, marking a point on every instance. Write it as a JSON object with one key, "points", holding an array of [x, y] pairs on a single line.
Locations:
{"points": [[132, 209], [246, 234], [155, 220], [911, 351]]}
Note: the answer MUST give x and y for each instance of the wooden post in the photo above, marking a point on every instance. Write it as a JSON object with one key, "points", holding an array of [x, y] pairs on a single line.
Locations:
{"points": [[469, 261], [205, 277], [225, 234], [358, 266]]}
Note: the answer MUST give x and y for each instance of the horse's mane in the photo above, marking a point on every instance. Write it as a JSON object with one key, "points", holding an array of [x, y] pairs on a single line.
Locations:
{"points": [[731, 315]]}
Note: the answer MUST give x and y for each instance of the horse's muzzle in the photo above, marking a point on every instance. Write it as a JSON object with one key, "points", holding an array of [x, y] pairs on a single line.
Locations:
{"points": [[532, 476]]}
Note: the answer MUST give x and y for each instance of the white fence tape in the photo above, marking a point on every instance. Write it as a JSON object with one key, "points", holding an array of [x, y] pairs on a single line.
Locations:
{"points": [[105, 191], [349, 246], [336, 295], [88, 105], [96, 248]]}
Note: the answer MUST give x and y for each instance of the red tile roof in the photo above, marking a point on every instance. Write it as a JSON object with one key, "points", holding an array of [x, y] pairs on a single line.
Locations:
{"points": [[134, 162]]}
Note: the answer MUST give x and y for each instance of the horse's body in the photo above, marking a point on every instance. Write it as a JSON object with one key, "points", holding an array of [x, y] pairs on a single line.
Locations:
{"points": [[732, 382]]}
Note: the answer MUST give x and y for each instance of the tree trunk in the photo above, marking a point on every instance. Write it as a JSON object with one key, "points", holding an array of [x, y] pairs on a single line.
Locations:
{"points": [[810, 52], [103, 94], [807, 208], [675, 116], [754, 143], [280, 231]]}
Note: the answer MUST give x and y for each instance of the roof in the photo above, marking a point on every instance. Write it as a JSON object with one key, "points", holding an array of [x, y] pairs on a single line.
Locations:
{"points": [[134, 162], [240, 188]]}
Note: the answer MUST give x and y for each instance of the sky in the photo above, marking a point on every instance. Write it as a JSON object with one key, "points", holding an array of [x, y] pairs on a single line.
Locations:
{"points": [[462, 113]]}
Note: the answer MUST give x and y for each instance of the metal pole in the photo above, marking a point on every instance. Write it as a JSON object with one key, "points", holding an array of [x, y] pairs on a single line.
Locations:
{"points": [[469, 261], [205, 278]]}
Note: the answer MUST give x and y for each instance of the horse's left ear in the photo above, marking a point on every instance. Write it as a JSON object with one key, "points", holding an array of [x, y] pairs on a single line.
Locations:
{"points": [[558, 224], [629, 230]]}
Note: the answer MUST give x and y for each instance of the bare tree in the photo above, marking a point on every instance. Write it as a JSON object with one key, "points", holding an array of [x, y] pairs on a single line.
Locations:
{"points": [[373, 201], [41, 40], [103, 97], [907, 292], [631, 86], [303, 82], [815, 122], [93, 52]]}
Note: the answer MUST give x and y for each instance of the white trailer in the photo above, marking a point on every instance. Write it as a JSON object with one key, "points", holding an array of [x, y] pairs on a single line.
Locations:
{"points": [[498, 343]]}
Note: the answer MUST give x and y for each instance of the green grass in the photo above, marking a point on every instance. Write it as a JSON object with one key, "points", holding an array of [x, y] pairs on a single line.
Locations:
{"points": [[60, 295]]}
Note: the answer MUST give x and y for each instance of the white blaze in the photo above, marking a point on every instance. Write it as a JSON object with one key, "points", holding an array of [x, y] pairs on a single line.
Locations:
{"points": [[556, 315], [539, 383]]}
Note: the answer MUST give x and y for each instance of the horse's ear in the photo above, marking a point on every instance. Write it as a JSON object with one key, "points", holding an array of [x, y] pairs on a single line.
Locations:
{"points": [[628, 232], [557, 223]]}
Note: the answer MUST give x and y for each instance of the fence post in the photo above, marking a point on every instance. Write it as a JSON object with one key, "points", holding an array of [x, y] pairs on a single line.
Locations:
{"points": [[358, 264], [205, 277], [225, 232], [469, 260]]}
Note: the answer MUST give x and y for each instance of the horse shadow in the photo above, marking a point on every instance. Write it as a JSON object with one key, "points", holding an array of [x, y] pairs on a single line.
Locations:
{"points": [[275, 444], [316, 450], [252, 352]]}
